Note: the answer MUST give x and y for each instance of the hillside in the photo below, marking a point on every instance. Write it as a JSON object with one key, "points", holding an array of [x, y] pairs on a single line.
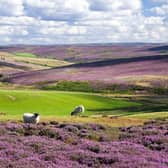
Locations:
{"points": [[14, 63], [134, 64], [89, 53], [151, 70]]}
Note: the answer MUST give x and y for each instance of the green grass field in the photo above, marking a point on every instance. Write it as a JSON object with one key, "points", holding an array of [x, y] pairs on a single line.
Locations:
{"points": [[30, 55], [14, 102], [57, 105]]}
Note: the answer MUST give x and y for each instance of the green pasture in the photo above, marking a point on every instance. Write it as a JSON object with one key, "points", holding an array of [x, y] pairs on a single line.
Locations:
{"points": [[103, 109], [24, 54], [16, 102]]}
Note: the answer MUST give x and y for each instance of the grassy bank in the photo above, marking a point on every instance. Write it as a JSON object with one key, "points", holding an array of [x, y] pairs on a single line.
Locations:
{"points": [[107, 109], [16, 102]]}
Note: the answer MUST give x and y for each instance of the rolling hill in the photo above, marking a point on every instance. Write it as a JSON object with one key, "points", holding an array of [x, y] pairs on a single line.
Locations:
{"points": [[135, 64], [152, 70], [89, 53], [25, 62]]}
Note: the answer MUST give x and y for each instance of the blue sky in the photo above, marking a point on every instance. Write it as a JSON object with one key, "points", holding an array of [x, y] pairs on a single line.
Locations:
{"points": [[83, 21]]}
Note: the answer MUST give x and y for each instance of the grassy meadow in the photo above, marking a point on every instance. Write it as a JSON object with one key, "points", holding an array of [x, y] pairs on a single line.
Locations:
{"points": [[29, 55], [113, 109], [14, 102]]}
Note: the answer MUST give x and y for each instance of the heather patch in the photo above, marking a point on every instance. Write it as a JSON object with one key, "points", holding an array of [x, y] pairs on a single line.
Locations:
{"points": [[49, 145]]}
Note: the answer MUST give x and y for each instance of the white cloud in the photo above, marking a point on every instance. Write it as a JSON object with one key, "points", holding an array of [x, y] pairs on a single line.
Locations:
{"points": [[11, 8], [67, 10], [79, 21], [161, 10], [108, 5]]}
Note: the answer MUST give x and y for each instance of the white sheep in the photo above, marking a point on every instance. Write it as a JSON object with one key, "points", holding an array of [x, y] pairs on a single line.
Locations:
{"points": [[31, 118], [78, 110]]}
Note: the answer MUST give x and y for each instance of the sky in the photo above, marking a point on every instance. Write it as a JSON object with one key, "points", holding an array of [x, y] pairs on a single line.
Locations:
{"points": [[83, 21]]}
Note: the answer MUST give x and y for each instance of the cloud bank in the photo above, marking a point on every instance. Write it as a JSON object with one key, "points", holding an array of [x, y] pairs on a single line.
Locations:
{"points": [[82, 21]]}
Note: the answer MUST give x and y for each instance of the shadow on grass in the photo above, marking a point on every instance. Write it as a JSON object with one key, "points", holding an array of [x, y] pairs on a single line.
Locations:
{"points": [[148, 105]]}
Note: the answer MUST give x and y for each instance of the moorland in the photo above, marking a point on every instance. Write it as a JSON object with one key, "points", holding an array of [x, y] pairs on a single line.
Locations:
{"points": [[123, 87]]}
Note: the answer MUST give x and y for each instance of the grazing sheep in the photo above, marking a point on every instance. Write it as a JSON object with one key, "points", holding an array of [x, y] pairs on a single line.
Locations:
{"points": [[78, 110], [31, 118]]}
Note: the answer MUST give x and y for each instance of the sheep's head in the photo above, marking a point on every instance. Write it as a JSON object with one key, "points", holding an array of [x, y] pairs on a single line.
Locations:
{"points": [[36, 114]]}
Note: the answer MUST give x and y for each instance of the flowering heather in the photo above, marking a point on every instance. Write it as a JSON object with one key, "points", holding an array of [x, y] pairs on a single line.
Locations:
{"points": [[134, 64], [153, 134], [87, 53], [50, 145], [121, 71]]}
